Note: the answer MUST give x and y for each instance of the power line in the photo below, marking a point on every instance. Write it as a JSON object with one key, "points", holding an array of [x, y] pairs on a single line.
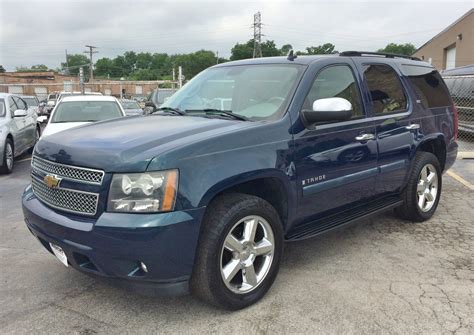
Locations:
{"points": [[91, 67], [257, 35]]}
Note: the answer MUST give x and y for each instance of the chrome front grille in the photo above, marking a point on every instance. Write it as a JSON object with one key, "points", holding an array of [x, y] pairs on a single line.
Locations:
{"points": [[69, 200], [75, 173]]}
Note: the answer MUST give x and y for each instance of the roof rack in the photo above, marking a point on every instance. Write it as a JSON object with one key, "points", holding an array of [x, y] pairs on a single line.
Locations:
{"points": [[371, 53]]}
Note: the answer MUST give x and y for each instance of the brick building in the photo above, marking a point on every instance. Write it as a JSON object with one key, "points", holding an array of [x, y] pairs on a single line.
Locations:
{"points": [[43, 83], [452, 47]]}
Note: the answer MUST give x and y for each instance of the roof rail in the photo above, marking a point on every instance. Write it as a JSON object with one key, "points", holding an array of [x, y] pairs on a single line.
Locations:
{"points": [[372, 53]]}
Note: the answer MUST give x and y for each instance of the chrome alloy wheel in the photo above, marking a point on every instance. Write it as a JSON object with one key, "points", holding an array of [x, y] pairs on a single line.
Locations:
{"points": [[247, 254], [9, 156], [427, 188]]}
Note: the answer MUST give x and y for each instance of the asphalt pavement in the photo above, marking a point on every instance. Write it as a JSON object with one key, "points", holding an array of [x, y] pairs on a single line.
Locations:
{"points": [[381, 276]]}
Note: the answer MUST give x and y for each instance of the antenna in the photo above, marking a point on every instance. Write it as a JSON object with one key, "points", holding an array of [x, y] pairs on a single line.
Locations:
{"points": [[291, 56]]}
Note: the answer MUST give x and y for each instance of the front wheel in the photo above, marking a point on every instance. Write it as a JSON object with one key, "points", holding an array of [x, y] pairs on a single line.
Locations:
{"points": [[421, 196], [239, 251]]}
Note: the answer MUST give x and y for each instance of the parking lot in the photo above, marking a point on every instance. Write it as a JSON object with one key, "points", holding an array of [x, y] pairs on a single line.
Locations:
{"points": [[381, 276]]}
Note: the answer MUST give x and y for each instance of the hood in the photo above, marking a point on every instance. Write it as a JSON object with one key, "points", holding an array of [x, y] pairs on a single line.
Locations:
{"points": [[129, 144], [53, 128]]}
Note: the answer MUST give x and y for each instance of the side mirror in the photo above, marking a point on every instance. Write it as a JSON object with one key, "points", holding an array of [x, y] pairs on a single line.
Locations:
{"points": [[20, 113], [328, 110]]}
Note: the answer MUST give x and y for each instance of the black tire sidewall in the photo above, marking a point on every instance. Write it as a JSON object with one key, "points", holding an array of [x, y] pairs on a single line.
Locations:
{"points": [[223, 295], [4, 168]]}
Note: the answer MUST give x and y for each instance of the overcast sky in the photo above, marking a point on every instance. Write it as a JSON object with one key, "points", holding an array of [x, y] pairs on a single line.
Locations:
{"points": [[38, 32]]}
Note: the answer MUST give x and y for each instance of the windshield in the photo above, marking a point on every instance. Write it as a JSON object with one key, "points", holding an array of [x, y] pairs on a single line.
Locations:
{"points": [[130, 105], [2, 108], [258, 92], [86, 111], [31, 101]]}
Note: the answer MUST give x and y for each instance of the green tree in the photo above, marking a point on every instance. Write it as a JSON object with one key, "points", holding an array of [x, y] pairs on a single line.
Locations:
{"points": [[324, 49], [104, 67], [245, 50], [74, 62], [2, 69], [34, 68], [144, 60], [401, 49], [285, 49], [130, 60]]}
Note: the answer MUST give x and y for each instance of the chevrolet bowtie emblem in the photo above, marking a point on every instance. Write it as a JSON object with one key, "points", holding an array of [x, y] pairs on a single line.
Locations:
{"points": [[52, 181]]}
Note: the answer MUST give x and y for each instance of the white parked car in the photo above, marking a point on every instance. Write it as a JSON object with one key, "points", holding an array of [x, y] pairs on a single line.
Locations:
{"points": [[77, 110], [19, 130]]}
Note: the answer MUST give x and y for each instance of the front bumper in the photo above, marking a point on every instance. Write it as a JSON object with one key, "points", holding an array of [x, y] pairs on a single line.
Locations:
{"points": [[114, 244]]}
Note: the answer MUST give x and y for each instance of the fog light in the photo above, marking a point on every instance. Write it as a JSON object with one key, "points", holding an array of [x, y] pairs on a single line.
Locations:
{"points": [[143, 267]]}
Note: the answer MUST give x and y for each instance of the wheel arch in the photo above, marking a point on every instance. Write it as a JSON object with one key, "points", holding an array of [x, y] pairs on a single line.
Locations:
{"points": [[272, 186], [436, 145]]}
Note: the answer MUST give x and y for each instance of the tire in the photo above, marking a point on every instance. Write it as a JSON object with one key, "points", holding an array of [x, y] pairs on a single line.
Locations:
{"points": [[7, 157], [230, 214], [414, 208]]}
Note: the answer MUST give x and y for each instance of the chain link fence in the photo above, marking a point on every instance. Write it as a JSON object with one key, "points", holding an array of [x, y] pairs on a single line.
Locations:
{"points": [[462, 91]]}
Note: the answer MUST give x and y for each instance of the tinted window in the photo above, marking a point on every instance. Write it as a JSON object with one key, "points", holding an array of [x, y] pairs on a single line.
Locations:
{"points": [[385, 88], [20, 103], [86, 111], [336, 81], [12, 104], [31, 102], [428, 86], [2, 108]]}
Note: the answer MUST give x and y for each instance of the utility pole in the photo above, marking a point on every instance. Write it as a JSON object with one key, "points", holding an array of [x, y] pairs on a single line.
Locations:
{"points": [[257, 35], [81, 79], [91, 66], [174, 76], [67, 64], [180, 77]]}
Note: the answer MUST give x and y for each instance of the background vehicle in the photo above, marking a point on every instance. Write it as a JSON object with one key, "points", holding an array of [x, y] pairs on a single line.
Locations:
{"points": [[202, 198], [460, 82], [157, 97], [18, 129], [51, 102], [131, 107], [32, 103], [141, 99], [74, 111], [69, 94]]}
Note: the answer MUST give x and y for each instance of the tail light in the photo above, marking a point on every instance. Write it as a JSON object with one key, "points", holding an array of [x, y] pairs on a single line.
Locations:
{"points": [[455, 122]]}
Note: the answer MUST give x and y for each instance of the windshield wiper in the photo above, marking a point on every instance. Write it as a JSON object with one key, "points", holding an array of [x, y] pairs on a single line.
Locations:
{"points": [[216, 111], [170, 110]]}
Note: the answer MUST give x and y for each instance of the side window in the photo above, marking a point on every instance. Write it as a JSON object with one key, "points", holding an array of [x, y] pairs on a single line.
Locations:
{"points": [[385, 88], [336, 81], [13, 106], [428, 86], [20, 103]]}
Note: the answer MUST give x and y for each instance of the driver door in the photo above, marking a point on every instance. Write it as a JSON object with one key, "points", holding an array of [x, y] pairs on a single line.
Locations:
{"points": [[336, 162]]}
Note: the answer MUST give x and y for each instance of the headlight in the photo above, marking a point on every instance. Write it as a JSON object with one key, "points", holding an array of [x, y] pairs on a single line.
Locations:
{"points": [[143, 192]]}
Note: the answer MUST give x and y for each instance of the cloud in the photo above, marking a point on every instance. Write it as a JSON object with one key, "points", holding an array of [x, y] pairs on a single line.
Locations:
{"points": [[38, 32]]}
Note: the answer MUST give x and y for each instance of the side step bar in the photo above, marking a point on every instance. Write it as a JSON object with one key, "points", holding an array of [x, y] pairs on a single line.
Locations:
{"points": [[334, 221]]}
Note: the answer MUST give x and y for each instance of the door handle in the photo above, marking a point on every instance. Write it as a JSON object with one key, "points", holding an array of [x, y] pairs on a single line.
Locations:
{"points": [[413, 126], [365, 137]]}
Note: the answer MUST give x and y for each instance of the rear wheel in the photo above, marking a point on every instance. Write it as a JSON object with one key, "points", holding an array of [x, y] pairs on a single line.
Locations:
{"points": [[7, 159], [423, 190], [239, 251]]}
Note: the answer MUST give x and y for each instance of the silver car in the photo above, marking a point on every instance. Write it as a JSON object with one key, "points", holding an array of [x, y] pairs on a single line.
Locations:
{"points": [[19, 130]]}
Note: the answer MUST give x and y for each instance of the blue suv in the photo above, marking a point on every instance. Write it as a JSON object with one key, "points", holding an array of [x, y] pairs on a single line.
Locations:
{"points": [[201, 195]]}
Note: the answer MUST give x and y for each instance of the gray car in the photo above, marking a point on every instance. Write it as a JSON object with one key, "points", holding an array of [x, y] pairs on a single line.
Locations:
{"points": [[131, 107], [18, 129]]}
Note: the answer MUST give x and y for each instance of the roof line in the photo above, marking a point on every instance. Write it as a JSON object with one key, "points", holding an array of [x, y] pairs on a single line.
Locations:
{"points": [[469, 12]]}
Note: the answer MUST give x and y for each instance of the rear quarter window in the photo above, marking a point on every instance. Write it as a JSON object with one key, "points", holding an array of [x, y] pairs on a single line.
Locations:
{"points": [[428, 85]]}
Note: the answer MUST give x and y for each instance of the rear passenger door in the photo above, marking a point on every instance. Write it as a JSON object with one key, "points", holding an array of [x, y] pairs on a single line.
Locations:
{"points": [[335, 162], [395, 126]]}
